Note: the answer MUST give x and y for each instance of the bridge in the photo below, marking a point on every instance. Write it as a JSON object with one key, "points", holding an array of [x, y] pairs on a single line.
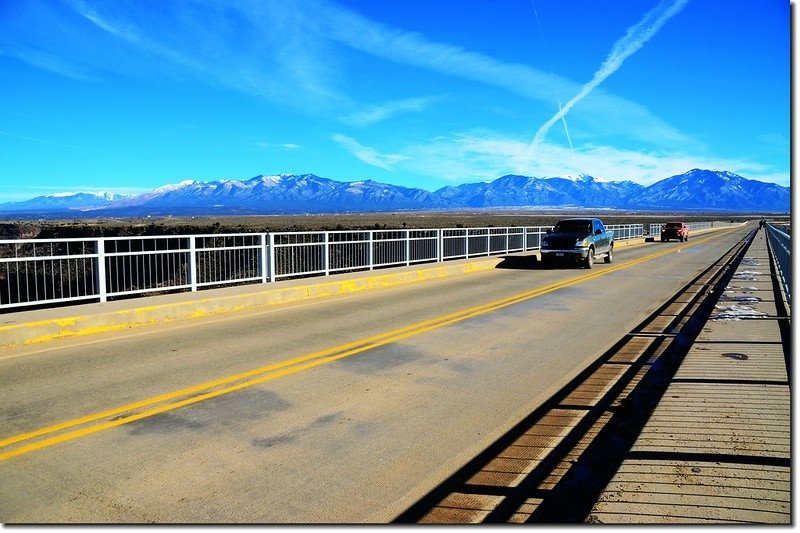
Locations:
{"points": [[474, 389]]}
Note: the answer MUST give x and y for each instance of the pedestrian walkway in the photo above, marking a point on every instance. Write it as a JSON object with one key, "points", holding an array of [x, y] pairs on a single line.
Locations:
{"points": [[717, 448]]}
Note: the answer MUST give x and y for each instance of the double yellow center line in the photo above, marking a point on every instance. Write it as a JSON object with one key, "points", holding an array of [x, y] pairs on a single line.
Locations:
{"points": [[72, 429]]}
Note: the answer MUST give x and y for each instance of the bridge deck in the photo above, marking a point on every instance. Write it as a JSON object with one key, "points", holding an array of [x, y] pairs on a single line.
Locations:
{"points": [[715, 450]]}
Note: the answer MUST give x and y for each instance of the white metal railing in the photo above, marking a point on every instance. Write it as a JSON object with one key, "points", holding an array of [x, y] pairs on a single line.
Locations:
{"points": [[323, 253], [626, 231], [139, 265], [780, 244], [48, 272]]}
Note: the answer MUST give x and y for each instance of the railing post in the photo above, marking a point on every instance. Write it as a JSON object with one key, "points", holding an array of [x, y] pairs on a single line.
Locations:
{"points": [[326, 255], [264, 258], [371, 253], [193, 263], [102, 290], [440, 245], [466, 236], [488, 241], [408, 247], [271, 266]]}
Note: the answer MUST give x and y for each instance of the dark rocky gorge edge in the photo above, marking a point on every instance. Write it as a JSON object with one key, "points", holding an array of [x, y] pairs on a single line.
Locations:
{"points": [[122, 227]]}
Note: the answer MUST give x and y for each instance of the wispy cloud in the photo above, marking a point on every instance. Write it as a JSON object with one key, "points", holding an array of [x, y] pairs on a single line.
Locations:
{"points": [[411, 48], [485, 156], [380, 112], [290, 52], [633, 40], [49, 62], [261, 48], [775, 142], [132, 34], [285, 146], [366, 154]]}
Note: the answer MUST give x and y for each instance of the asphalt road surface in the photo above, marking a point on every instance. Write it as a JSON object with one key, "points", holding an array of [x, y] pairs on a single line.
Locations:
{"points": [[343, 410]]}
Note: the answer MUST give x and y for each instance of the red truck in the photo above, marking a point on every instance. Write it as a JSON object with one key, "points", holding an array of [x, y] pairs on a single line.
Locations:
{"points": [[675, 230]]}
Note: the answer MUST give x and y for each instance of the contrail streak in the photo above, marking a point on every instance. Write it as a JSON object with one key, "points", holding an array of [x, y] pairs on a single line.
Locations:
{"points": [[544, 45], [566, 130], [43, 141], [636, 36]]}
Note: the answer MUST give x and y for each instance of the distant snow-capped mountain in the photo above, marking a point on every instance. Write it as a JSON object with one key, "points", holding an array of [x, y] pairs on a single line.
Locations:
{"points": [[284, 194], [307, 193], [73, 201], [513, 191], [710, 189]]}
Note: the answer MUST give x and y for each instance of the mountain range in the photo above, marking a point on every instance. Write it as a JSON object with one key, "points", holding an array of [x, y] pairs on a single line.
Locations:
{"points": [[308, 193], [63, 202]]}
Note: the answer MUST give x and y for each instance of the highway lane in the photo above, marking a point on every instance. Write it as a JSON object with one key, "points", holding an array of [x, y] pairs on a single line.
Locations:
{"points": [[358, 437]]}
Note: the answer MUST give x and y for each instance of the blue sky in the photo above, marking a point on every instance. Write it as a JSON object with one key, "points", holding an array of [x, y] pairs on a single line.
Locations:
{"points": [[129, 95]]}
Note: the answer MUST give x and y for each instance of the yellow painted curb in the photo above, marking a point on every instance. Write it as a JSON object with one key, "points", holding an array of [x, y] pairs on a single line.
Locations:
{"points": [[51, 329]]}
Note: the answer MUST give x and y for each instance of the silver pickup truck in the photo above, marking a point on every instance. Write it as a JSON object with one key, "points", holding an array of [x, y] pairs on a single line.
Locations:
{"points": [[578, 239]]}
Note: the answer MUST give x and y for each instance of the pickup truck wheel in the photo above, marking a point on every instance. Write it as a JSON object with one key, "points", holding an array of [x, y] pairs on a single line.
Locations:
{"points": [[609, 256], [589, 261]]}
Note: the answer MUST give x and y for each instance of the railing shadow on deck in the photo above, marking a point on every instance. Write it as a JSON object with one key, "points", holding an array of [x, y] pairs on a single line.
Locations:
{"points": [[571, 498]]}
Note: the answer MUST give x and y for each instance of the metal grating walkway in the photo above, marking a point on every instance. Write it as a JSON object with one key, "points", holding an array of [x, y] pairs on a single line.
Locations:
{"points": [[717, 449]]}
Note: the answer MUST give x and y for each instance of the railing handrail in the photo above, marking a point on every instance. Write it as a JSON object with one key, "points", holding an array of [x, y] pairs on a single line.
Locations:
{"points": [[780, 232], [58, 240]]}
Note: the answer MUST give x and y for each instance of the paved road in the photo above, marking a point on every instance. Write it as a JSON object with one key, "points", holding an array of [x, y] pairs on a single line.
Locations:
{"points": [[341, 410]]}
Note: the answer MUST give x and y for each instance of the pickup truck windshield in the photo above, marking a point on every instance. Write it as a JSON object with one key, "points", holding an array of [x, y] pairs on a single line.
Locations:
{"points": [[567, 226]]}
